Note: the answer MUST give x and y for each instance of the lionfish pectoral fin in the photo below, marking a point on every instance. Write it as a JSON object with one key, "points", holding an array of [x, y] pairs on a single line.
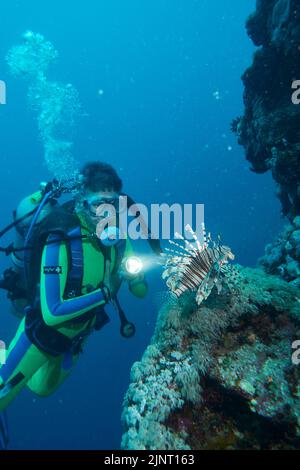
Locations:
{"points": [[204, 291], [219, 286]]}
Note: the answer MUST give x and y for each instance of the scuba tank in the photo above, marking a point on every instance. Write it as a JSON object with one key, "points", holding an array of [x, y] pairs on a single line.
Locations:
{"points": [[28, 205], [24, 215]]}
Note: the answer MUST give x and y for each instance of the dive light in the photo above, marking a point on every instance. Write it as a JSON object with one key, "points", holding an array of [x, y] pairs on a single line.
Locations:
{"points": [[133, 265]]}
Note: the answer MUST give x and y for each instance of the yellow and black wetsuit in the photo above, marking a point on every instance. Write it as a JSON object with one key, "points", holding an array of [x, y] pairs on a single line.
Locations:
{"points": [[73, 317]]}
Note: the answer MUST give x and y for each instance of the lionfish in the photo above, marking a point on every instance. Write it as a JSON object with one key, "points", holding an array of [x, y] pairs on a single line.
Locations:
{"points": [[196, 267]]}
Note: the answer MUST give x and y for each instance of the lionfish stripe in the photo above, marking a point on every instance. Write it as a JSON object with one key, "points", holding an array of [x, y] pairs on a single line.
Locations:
{"points": [[195, 268], [207, 258], [194, 281], [202, 261], [195, 274], [203, 264], [188, 283]]}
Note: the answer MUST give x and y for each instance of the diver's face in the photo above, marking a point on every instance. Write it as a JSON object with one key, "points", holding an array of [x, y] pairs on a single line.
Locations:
{"points": [[97, 205]]}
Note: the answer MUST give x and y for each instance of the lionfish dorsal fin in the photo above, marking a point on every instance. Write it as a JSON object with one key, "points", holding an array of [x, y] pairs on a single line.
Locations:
{"points": [[189, 229], [173, 252], [179, 246], [205, 238], [188, 247]]}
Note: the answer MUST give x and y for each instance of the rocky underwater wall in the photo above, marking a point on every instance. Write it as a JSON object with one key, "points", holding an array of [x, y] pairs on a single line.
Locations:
{"points": [[224, 375], [269, 130]]}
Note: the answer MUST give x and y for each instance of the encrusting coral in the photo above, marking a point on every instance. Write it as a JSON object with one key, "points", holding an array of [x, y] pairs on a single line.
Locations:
{"points": [[234, 349], [282, 257]]}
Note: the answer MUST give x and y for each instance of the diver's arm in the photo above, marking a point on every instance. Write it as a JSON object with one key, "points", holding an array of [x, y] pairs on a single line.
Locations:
{"points": [[55, 309], [137, 284]]}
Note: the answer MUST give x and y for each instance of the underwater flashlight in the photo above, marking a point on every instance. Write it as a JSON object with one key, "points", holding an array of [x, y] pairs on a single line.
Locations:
{"points": [[133, 265]]}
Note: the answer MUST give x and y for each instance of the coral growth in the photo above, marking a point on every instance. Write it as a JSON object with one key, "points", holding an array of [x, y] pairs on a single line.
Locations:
{"points": [[220, 376], [282, 257]]}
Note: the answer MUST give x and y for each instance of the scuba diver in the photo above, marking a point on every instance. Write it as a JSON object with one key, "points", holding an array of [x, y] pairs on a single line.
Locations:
{"points": [[63, 276]]}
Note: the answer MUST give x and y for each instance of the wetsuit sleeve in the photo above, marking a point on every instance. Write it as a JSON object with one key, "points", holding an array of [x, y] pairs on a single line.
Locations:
{"points": [[54, 269], [137, 285]]}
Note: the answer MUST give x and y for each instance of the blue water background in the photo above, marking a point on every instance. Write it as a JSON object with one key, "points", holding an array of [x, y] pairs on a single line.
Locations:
{"points": [[149, 75]]}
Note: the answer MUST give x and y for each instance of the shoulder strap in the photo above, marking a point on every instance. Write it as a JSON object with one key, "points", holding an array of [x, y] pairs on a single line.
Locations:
{"points": [[75, 273], [61, 221]]}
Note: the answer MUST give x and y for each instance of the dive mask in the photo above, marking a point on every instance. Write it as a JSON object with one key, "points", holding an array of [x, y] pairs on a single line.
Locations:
{"points": [[109, 205]]}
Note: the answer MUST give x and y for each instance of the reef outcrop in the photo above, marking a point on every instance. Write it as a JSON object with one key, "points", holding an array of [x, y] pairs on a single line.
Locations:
{"points": [[220, 376], [269, 129], [282, 257]]}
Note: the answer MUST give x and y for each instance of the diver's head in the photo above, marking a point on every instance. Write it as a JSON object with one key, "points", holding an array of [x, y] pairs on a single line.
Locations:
{"points": [[100, 191]]}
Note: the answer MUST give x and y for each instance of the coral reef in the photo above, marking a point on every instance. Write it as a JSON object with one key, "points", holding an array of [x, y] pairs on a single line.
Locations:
{"points": [[220, 375], [269, 129], [56, 104], [282, 257]]}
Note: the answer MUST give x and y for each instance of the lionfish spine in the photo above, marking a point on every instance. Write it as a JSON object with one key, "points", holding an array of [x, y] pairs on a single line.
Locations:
{"points": [[189, 229], [205, 241], [179, 246], [190, 248], [176, 252]]}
